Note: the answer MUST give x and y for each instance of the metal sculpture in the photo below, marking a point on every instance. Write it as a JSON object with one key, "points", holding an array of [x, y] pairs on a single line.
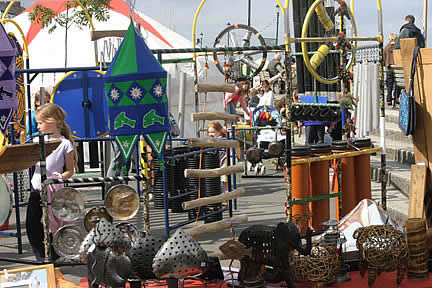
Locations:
{"points": [[271, 246]]}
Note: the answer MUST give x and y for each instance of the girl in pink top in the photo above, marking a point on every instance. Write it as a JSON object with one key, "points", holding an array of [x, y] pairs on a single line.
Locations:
{"points": [[59, 164], [231, 99]]}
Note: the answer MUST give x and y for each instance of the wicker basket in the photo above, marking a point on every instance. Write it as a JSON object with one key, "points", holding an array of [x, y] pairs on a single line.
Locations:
{"points": [[321, 266]]}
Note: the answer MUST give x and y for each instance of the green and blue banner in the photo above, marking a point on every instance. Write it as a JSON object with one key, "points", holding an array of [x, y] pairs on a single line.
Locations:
{"points": [[135, 87]]}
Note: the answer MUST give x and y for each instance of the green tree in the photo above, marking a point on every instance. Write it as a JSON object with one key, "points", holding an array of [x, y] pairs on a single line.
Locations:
{"points": [[97, 9]]}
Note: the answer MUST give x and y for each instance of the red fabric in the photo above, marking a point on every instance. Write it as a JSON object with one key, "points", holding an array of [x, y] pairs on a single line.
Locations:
{"points": [[385, 280], [118, 6], [161, 284]]}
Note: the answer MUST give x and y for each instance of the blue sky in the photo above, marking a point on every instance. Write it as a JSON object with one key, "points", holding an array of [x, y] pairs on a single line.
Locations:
{"points": [[215, 14]]}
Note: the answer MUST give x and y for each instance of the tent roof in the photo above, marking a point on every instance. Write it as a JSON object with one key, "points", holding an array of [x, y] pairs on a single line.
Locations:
{"points": [[118, 6]]}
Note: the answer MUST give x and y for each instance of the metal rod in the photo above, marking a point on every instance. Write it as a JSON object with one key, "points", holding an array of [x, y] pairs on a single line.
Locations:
{"points": [[382, 129], [339, 181], [93, 179], [44, 196], [182, 101], [316, 198], [192, 153], [16, 197], [165, 195], [234, 176], [223, 209], [335, 156], [249, 13]]}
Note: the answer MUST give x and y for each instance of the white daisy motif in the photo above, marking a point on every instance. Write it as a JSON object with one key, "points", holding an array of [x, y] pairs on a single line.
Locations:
{"points": [[157, 142], [3, 118], [158, 90], [115, 95], [125, 144], [136, 93]]}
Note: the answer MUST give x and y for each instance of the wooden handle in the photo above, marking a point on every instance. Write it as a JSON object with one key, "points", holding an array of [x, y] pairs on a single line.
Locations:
{"points": [[96, 35], [216, 226], [214, 116], [212, 173], [213, 199], [202, 88]]}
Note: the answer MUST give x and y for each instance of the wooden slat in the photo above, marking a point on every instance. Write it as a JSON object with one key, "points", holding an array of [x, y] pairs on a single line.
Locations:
{"points": [[96, 35], [211, 116], [213, 199], [19, 157], [202, 88], [216, 226], [211, 173], [417, 191], [407, 50]]}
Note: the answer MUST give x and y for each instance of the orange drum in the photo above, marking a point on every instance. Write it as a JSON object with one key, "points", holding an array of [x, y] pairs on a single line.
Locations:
{"points": [[362, 170], [300, 181], [349, 198], [320, 185]]}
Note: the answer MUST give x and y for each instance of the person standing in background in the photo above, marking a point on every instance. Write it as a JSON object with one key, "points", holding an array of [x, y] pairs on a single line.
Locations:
{"points": [[390, 76], [410, 30]]}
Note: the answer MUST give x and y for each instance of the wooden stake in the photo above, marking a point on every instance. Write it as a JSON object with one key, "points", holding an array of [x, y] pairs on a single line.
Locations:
{"points": [[216, 143], [213, 199], [417, 191], [210, 116], [212, 173], [202, 88], [216, 226]]}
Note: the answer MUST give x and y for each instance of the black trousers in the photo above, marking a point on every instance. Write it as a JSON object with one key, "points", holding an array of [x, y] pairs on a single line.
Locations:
{"points": [[315, 134], [34, 227], [390, 85]]}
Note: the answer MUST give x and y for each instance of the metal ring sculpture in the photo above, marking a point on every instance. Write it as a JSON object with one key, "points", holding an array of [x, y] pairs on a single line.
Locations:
{"points": [[238, 58], [318, 7]]}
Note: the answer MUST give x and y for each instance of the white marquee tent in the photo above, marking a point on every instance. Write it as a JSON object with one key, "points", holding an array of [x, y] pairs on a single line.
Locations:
{"points": [[47, 50]]}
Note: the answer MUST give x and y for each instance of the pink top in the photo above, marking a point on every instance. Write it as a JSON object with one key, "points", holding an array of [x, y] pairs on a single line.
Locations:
{"points": [[236, 97]]}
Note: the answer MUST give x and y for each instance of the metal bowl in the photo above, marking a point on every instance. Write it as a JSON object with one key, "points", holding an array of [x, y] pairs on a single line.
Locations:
{"points": [[5, 201], [67, 204], [122, 202], [67, 241], [93, 216]]}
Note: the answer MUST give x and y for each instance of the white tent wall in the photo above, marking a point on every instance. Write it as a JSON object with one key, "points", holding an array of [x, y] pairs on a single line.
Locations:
{"points": [[47, 50]]}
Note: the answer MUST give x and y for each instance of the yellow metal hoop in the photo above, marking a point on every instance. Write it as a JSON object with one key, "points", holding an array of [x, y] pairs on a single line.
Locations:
{"points": [[304, 50]]}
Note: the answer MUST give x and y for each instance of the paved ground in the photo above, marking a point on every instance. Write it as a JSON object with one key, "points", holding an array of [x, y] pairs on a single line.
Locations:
{"points": [[262, 203]]}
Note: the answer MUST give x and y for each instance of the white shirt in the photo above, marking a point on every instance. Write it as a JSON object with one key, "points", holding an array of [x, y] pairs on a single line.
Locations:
{"points": [[55, 162], [266, 99]]}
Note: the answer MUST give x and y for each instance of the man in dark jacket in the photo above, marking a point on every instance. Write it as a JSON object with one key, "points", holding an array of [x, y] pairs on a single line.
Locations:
{"points": [[410, 30]]}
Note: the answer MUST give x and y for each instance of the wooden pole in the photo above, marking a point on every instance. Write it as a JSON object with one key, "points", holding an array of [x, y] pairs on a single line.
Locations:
{"points": [[211, 116], [216, 226], [214, 199], [203, 88], [212, 173]]}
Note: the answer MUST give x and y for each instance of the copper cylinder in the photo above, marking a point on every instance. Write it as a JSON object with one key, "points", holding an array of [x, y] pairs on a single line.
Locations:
{"points": [[320, 185], [362, 171], [349, 199]]}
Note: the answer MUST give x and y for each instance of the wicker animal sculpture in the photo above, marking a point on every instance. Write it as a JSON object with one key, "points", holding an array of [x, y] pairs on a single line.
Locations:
{"points": [[382, 248], [271, 246], [321, 266]]}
